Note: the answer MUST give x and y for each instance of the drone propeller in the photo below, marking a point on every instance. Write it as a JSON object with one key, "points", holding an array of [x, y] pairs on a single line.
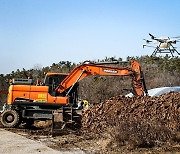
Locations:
{"points": [[148, 46], [157, 39], [173, 41], [178, 40], [152, 36], [147, 41], [176, 37]]}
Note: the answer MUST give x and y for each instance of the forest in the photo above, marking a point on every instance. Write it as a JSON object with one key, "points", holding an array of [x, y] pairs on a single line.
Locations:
{"points": [[158, 72]]}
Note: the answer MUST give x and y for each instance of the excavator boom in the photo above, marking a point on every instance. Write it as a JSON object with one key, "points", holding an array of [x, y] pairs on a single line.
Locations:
{"points": [[89, 69]]}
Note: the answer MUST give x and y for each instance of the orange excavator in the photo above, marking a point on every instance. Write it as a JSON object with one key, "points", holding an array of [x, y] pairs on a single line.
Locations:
{"points": [[57, 97]]}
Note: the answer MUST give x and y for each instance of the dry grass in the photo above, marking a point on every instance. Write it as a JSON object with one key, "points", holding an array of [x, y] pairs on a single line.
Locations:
{"points": [[141, 134]]}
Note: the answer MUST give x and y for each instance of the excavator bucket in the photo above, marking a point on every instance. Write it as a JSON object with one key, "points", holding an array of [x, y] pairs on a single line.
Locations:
{"points": [[139, 85]]}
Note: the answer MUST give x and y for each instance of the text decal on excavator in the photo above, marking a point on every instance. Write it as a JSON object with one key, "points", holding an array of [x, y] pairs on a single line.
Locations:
{"points": [[41, 98], [110, 71]]}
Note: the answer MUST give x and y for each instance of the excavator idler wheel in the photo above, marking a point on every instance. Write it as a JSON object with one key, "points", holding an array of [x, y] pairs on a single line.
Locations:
{"points": [[10, 118]]}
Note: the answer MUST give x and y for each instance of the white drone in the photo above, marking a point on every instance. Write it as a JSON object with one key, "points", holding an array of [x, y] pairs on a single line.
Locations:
{"points": [[163, 44]]}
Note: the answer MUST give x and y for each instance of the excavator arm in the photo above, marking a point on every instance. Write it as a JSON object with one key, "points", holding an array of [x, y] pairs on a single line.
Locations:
{"points": [[88, 69]]}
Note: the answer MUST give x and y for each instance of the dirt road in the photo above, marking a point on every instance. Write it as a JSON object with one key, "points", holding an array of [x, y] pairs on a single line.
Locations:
{"points": [[11, 143]]}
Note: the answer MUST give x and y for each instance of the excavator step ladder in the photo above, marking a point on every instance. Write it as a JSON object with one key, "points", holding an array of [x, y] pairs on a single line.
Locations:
{"points": [[66, 116]]}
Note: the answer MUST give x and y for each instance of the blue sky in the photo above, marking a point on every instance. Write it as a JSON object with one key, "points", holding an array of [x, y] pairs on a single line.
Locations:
{"points": [[42, 32]]}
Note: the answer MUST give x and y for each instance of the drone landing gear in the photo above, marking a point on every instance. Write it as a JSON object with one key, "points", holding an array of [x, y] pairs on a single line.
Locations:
{"points": [[169, 50]]}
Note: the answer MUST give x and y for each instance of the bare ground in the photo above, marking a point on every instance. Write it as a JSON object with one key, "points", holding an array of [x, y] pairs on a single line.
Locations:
{"points": [[77, 142]]}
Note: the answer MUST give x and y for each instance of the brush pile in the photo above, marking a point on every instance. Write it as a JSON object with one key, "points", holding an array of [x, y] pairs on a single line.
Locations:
{"points": [[139, 119]]}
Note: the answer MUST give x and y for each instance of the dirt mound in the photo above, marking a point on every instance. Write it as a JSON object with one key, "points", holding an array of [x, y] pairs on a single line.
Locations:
{"points": [[142, 120]]}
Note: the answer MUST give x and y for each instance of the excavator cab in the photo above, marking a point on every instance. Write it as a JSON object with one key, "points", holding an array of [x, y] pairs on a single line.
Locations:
{"points": [[52, 80]]}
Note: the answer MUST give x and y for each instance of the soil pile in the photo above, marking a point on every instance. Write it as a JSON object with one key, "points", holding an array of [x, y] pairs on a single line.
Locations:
{"points": [[139, 119]]}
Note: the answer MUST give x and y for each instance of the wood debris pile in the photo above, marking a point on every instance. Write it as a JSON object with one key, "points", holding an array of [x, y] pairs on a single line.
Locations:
{"points": [[124, 113]]}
